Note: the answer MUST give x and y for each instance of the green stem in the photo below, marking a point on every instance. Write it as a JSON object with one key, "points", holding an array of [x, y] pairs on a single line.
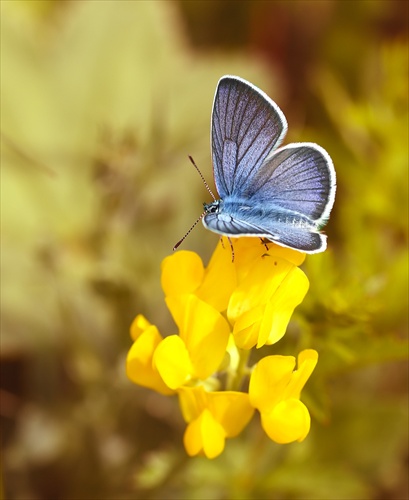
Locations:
{"points": [[236, 379]]}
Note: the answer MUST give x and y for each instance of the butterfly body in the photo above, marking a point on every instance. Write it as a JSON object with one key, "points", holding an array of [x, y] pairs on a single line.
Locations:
{"points": [[237, 218], [281, 194], [220, 212]]}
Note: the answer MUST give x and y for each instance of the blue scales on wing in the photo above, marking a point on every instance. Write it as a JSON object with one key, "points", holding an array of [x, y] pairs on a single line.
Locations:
{"points": [[246, 126]]}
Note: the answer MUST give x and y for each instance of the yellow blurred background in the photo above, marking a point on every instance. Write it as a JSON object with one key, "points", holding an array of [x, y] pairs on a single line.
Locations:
{"points": [[101, 104]]}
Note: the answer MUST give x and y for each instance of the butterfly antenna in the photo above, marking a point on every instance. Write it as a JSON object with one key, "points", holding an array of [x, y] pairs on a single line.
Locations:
{"points": [[204, 182], [204, 213], [180, 241]]}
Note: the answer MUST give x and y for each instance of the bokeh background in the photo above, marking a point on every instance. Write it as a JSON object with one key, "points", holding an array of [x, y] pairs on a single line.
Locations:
{"points": [[101, 102]]}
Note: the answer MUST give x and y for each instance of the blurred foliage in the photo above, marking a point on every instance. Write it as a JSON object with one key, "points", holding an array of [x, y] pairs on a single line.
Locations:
{"points": [[101, 103]]}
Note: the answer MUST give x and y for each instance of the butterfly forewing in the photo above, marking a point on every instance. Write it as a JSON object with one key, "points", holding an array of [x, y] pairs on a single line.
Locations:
{"points": [[246, 126]]}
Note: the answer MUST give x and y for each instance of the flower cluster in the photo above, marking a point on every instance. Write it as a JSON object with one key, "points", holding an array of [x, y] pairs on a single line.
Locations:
{"points": [[221, 313]]}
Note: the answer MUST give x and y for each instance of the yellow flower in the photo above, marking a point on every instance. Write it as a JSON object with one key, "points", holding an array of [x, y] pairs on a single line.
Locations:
{"points": [[212, 417], [221, 311], [275, 391], [139, 362], [183, 273], [270, 286], [198, 350], [258, 291], [165, 364]]}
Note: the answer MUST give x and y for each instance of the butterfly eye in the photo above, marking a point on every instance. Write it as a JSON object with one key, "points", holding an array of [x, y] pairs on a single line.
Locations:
{"points": [[211, 208]]}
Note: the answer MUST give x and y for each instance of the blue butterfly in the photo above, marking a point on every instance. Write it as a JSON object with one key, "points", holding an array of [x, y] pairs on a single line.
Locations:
{"points": [[280, 194]]}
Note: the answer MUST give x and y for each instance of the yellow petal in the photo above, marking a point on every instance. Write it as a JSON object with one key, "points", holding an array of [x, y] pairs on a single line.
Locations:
{"points": [[293, 256], [269, 380], [287, 297], [220, 278], [256, 247], [307, 361], [232, 409], [182, 272], [203, 329], [177, 307], [206, 333], [307, 355], [246, 329], [172, 360], [204, 435], [288, 421], [138, 326], [269, 323], [268, 295], [248, 250], [192, 401], [139, 366], [260, 284]]}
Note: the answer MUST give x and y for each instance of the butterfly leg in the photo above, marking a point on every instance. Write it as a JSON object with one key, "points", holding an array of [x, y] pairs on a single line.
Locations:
{"points": [[231, 247], [264, 242]]}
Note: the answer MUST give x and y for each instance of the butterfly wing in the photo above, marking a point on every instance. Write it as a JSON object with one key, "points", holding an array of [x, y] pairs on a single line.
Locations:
{"points": [[246, 126], [299, 178], [287, 200]]}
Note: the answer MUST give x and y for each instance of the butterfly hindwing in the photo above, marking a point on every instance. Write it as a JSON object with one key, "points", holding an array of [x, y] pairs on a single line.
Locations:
{"points": [[297, 177]]}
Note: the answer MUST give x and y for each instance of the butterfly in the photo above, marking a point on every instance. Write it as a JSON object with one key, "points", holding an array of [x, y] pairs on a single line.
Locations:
{"points": [[282, 194]]}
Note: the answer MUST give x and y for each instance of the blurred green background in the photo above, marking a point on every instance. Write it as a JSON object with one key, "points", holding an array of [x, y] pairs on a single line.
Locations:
{"points": [[101, 102]]}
